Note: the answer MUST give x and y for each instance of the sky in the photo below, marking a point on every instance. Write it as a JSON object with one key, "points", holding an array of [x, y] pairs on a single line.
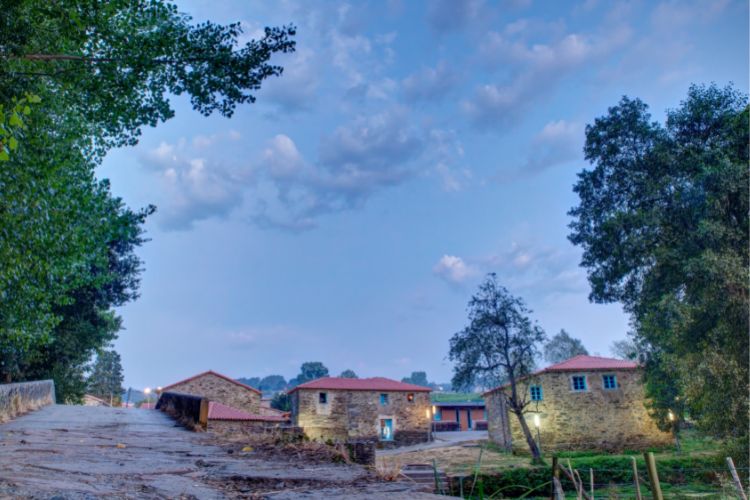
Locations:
{"points": [[408, 149]]}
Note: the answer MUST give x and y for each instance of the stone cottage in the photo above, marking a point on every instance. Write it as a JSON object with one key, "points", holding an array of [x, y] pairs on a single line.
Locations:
{"points": [[582, 403], [224, 419], [221, 389], [459, 416], [379, 409]]}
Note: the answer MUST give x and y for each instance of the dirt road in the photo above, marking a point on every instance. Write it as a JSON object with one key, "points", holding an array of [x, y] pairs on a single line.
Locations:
{"points": [[79, 452]]}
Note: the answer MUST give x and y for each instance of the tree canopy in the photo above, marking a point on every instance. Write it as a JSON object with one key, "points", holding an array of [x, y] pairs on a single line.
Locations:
{"points": [[309, 370], [417, 378], [348, 374], [561, 347], [106, 377], [663, 223], [499, 343], [77, 78]]}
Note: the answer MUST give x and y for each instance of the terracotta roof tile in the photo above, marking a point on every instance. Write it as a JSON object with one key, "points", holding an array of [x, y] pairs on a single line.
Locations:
{"points": [[361, 384], [582, 362], [218, 411], [211, 372]]}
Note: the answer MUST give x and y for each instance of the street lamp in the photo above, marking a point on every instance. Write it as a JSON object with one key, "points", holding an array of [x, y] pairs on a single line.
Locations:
{"points": [[428, 414], [537, 424], [147, 392]]}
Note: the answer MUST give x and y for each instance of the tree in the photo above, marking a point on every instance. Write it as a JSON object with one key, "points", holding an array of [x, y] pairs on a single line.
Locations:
{"points": [[348, 374], [106, 378], [561, 347], [272, 383], [663, 223], [281, 401], [309, 370], [500, 341], [417, 378], [251, 381], [76, 79], [625, 349]]}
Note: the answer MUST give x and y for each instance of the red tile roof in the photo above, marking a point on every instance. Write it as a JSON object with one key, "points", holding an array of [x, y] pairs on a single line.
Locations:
{"points": [[218, 411], [579, 363], [211, 372], [361, 384], [584, 362]]}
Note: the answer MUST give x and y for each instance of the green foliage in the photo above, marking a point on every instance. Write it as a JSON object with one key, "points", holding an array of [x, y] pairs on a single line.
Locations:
{"points": [[281, 401], [417, 378], [562, 347], [455, 397], [309, 370], [272, 383], [77, 78], [106, 378], [348, 374], [500, 342], [251, 381], [663, 222]]}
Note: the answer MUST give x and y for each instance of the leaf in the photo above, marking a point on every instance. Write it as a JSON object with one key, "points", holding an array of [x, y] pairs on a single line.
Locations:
{"points": [[15, 120], [120, 446], [26, 110], [4, 155], [247, 449], [12, 143]]}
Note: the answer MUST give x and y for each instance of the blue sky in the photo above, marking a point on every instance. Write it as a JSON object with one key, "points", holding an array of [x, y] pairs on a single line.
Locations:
{"points": [[408, 149]]}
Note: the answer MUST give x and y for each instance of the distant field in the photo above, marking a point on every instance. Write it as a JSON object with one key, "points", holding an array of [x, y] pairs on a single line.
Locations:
{"points": [[456, 397]]}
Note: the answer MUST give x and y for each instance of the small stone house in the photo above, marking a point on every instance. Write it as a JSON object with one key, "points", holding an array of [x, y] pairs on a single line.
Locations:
{"points": [[582, 403], [373, 409], [220, 389], [459, 416], [224, 419]]}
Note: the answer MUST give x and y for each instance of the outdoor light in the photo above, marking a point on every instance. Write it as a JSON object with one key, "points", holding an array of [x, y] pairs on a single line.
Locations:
{"points": [[158, 389], [147, 391], [536, 420], [427, 413], [670, 416], [434, 410]]}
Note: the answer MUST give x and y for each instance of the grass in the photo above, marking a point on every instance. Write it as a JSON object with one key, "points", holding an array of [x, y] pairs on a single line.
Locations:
{"points": [[694, 471], [456, 397]]}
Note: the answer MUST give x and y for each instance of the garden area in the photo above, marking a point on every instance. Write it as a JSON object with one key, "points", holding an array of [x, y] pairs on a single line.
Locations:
{"points": [[481, 470]]}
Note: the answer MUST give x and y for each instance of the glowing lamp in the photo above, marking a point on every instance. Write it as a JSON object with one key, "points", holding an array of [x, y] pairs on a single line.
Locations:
{"points": [[427, 413], [670, 416], [537, 423], [147, 390]]}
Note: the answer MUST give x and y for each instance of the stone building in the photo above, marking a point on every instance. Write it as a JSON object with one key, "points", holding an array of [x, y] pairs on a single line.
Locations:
{"points": [[459, 416], [224, 419], [221, 389], [378, 409], [582, 403]]}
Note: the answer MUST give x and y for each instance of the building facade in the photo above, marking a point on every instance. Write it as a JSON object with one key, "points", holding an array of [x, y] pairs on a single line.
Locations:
{"points": [[378, 409], [586, 402], [459, 416], [221, 389]]}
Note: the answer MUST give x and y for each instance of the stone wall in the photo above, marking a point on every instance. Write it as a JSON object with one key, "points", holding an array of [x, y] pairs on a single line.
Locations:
{"points": [[17, 399], [356, 415], [497, 419], [611, 419], [223, 391], [256, 430], [188, 409]]}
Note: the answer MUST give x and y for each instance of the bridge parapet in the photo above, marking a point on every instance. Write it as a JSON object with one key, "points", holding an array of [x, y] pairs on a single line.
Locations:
{"points": [[190, 410], [23, 397]]}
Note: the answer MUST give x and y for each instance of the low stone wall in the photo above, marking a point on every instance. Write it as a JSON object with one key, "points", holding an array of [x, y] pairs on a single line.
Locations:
{"points": [[257, 431], [191, 411], [17, 399]]}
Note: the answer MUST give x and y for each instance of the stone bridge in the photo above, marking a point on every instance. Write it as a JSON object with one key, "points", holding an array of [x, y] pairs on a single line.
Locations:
{"points": [[77, 452]]}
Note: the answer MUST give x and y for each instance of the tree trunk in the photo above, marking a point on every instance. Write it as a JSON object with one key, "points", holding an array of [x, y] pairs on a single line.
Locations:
{"points": [[533, 447]]}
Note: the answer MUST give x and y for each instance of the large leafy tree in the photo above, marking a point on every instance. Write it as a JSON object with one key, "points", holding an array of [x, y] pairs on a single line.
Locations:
{"points": [[77, 78], [562, 346], [310, 370], [348, 374], [106, 377], [499, 342], [272, 383], [417, 378], [663, 222]]}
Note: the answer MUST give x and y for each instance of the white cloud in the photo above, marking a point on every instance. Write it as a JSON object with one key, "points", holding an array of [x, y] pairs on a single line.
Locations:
{"points": [[454, 270], [430, 84]]}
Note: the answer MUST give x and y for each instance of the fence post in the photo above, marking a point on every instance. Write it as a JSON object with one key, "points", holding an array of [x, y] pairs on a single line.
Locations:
{"points": [[203, 414], [636, 481], [653, 476], [557, 488], [591, 480], [555, 475], [736, 479]]}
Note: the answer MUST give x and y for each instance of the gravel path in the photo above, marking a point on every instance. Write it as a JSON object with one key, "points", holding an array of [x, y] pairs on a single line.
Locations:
{"points": [[83, 452]]}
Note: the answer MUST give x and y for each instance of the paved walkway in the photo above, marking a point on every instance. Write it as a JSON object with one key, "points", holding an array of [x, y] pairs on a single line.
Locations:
{"points": [[83, 452], [441, 440]]}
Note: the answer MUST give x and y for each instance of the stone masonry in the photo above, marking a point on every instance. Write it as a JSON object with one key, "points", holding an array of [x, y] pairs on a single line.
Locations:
{"points": [[598, 417], [219, 388], [355, 415]]}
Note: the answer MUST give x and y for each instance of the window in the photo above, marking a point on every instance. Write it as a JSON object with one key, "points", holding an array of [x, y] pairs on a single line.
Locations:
{"points": [[386, 429], [438, 415], [410, 397], [609, 381], [323, 398], [579, 382], [384, 399], [536, 392]]}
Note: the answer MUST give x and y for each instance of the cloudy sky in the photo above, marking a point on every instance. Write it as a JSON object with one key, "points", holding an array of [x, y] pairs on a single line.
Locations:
{"points": [[408, 149]]}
